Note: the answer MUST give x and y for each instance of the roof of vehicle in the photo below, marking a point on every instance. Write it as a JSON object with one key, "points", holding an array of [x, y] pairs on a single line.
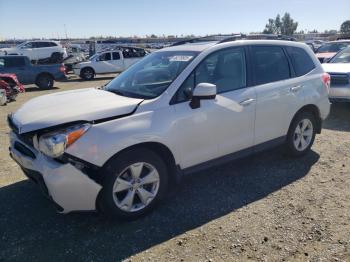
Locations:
{"points": [[201, 46], [42, 41], [338, 41]]}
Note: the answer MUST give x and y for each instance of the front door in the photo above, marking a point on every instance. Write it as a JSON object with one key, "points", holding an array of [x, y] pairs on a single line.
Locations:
{"points": [[221, 126], [104, 64]]}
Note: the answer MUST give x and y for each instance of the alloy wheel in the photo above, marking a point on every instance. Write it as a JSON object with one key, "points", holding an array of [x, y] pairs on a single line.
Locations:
{"points": [[303, 134], [136, 186]]}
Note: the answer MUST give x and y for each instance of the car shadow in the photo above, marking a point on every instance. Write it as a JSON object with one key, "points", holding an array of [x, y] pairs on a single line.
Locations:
{"points": [[339, 117], [37, 89], [32, 230]]}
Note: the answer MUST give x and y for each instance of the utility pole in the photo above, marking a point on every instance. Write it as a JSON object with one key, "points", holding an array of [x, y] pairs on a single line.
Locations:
{"points": [[65, 30]]}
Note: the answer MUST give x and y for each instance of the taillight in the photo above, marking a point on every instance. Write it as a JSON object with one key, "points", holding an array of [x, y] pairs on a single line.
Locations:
{"points": [[326, 79], [62, 69]]}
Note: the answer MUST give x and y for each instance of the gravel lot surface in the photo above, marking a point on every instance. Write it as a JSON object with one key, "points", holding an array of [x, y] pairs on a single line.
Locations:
{"points": [[264, 208]]}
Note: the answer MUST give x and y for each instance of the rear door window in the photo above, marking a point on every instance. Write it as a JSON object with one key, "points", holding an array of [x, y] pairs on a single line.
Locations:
{"points": [[116, 56], [270, 64], [14, 62], [301, 61], [105, 57]]}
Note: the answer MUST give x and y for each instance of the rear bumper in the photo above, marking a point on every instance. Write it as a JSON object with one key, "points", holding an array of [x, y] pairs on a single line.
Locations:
{"points": [[337, 93], [67, 186], [60, 77]]}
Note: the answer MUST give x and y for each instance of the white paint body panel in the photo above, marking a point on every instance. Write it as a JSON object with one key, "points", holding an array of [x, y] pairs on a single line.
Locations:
{"points": [[68, 187], [76, 105], [218, 127]]}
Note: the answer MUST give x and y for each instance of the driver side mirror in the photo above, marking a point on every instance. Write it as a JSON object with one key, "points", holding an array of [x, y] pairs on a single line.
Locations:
{"points": [[203, 91]]}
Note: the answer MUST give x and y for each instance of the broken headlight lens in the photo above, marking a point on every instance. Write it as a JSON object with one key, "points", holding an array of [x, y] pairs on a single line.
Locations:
{"points": [[54, 144]]}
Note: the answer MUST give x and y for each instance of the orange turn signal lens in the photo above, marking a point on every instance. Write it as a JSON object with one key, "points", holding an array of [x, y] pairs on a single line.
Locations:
{"points": [[74, 135]]}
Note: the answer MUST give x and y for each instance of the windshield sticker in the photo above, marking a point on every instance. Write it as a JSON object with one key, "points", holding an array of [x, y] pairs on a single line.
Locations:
{"points": [[180, 58]]}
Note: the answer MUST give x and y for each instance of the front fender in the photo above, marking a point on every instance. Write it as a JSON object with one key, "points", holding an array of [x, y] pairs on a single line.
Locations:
{"points": [[104, 140]]}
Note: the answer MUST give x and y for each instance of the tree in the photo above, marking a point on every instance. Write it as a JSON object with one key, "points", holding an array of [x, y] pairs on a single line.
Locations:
{"points": [[285, 26], [345, 27], [288, 26]]}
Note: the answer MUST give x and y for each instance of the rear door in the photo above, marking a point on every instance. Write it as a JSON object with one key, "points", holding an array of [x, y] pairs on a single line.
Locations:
{"points": [[117, 62], [279, 94]]}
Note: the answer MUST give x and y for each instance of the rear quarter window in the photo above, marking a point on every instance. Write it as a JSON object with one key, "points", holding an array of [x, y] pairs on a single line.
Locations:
{"points": [[301, 61], [14, 62]]}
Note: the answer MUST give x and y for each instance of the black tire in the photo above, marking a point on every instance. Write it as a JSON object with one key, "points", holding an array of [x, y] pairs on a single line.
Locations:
{"points": [[114, 167], [44, 81], [87, 73], [291, 147]]}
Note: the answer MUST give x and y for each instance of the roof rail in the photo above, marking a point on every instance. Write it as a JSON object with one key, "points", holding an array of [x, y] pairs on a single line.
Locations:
{"points": [[209, 38], [257, 37]]}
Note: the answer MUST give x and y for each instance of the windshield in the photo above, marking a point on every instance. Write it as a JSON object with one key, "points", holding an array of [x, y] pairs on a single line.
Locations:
{"points": [[21, 44], [152, 75], [93, 57], [342, 57], [332, 47]]}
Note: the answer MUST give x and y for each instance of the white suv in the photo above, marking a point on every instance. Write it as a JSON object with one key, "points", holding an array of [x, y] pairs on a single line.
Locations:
{"points": [[36, 50], [118, 148]]}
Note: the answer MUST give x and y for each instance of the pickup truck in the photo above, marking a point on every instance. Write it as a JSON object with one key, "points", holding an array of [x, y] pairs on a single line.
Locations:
{"points": [[115, 61], [27, 73]]}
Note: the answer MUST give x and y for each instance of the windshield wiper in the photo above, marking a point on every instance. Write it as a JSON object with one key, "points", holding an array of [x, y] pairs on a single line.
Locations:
{"points": [[117, 92]]}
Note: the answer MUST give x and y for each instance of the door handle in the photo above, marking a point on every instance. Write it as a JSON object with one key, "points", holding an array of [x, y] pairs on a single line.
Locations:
{"points": [[247, 102], [295, 88]]}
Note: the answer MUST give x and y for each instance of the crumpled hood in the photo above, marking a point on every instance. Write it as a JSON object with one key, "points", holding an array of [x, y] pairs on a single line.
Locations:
{"points": [[336, 67], [77, 105]]}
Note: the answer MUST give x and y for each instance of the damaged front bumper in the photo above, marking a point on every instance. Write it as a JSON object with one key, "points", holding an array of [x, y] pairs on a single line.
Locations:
{"points": [[69, 187]]}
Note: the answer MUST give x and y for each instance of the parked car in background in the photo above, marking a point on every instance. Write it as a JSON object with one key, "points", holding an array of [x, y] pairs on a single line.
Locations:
{"points": [[75, 55], [27, 73], [12, 87], [107, 62], [119, 148], [37, 50], [339, 69], [329, 49]]}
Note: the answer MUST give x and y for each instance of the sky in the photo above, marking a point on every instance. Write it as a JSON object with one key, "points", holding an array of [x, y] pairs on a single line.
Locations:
{"points": [[49, 18]]}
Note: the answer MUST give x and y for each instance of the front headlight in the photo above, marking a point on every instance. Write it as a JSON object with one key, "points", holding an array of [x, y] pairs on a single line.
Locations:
{"points": [[54, 144]]}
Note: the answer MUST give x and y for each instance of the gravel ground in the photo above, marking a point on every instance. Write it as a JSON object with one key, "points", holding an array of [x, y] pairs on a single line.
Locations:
{"points": [[264, 208]]}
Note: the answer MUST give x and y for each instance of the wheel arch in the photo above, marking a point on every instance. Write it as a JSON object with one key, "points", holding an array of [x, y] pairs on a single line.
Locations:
{"points": [[87, 67], [161, 150], [315, 111], [43, 73]]}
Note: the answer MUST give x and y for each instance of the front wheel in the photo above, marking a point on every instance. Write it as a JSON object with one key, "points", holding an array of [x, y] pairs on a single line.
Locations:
{"points": [[87, 73], [135, 182], [301, 134]]}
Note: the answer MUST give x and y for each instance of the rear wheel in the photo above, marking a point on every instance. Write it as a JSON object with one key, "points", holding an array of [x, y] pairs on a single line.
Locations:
{"points": [[87, 73], [135, 182], [45, 81], [301, 134]]}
